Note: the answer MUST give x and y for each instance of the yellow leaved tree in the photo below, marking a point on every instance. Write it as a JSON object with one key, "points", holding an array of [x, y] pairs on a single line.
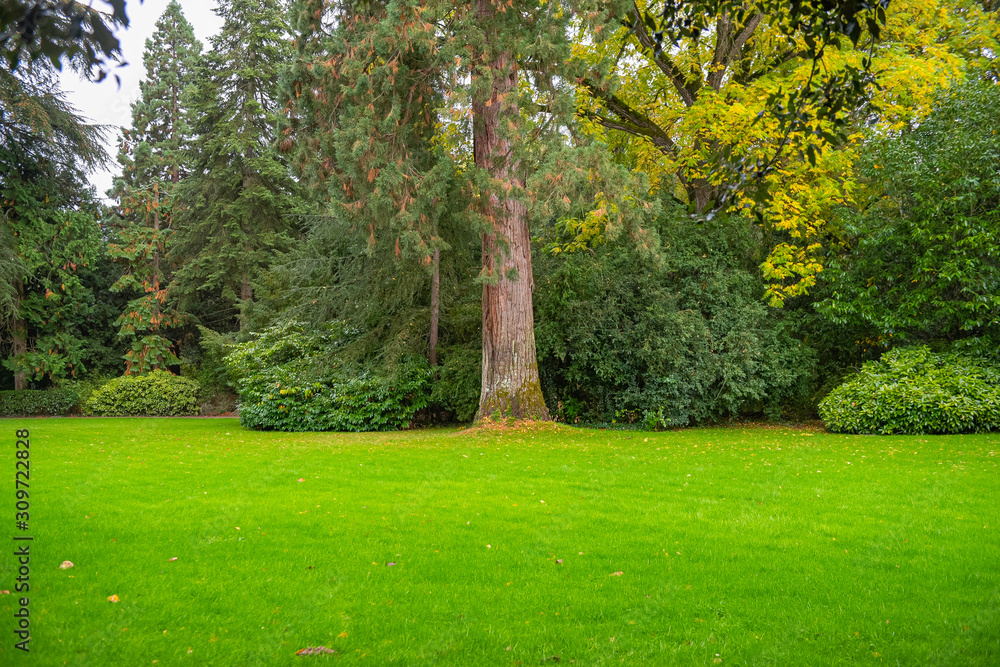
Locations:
{"points": [[722, 118]]}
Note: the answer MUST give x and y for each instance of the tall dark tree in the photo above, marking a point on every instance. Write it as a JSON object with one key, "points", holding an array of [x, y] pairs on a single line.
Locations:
{"points": [[510, 383], [239, 203], [152, 159], [48, 224]]}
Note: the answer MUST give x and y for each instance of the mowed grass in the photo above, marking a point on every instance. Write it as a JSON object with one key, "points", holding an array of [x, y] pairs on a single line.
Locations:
{"points": [[697, 547]]}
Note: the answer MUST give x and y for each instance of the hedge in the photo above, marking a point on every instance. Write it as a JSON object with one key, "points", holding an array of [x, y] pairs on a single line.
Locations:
{"points": [[287, 382], [37, 402]]}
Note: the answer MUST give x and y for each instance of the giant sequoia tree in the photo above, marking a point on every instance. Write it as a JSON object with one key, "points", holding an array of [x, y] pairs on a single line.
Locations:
{"points": [[152, 159], [367, 124]]}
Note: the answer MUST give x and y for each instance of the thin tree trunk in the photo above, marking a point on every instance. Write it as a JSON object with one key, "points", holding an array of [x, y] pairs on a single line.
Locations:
{"points": [[246, 290], [246, 294], [435, 305], [19, 335], [510, 385]]}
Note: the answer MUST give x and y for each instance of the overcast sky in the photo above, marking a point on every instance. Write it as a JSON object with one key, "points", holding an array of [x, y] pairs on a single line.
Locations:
{"points": [[104, 103]]}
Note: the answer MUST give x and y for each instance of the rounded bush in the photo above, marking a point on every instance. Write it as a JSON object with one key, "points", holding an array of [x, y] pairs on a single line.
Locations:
{"points": [[913, 391], [158, 394]]}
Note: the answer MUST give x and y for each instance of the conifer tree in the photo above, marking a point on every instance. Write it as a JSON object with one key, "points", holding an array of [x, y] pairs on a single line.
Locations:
{"points": [[366, 114], [362, 94], [239, 201], [48, 225], [152, 160]]}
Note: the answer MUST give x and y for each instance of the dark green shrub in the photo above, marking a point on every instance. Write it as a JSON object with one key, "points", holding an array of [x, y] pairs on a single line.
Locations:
{"points": [[458, 382], [913, 391], [665, 341], [287, 382], [158, 394], [34, 403]]}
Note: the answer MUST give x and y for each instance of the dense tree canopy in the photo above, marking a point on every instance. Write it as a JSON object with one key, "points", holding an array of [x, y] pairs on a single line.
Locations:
{"points": [[49, 221], [924, 249]]}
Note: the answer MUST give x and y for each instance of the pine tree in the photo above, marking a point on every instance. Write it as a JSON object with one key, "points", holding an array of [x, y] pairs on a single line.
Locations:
{"points": [[152, 159], [239, 201]]}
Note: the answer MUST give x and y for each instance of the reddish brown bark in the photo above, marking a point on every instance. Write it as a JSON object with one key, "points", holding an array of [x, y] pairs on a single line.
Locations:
{"points": [[510, 385]]}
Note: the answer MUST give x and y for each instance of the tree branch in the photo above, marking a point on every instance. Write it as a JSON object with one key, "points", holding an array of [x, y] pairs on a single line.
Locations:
{"points": [[662, 61], [630, 120], [726, 52]]}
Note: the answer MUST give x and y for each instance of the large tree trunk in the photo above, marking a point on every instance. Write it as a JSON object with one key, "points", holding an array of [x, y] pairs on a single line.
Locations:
{"points": [[19, 332], [510, 385]]}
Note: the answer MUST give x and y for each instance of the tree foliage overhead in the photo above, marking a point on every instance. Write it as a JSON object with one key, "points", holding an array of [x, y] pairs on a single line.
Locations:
{"points": [[60, 30], [751, 107]]}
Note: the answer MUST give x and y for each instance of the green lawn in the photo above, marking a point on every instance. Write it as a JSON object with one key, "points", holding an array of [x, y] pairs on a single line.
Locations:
{"points": [[702, 547]]}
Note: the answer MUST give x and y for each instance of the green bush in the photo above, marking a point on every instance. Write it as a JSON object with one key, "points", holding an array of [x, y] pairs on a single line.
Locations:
{"points": [[913, 391], [159, 394], [683, 337], [288, 379], [34, 403]]}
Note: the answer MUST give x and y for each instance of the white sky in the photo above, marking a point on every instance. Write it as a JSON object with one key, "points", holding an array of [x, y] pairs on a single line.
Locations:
{"points": [[106, 104]]}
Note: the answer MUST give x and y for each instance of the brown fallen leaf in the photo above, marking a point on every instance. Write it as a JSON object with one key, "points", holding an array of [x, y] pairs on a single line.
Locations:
{"points": [[615, 574], [65, 565], [314, 650], [171, 560], [4, 592]]}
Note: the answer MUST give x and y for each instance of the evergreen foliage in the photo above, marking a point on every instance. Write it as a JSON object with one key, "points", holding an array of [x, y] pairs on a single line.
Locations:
{"points": [[156, 394], [48, 227], [363, 94], [668, 342], [62, 30], [912, 391], [153, 161], [37, 402], [240, 204], [287, 381]]}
